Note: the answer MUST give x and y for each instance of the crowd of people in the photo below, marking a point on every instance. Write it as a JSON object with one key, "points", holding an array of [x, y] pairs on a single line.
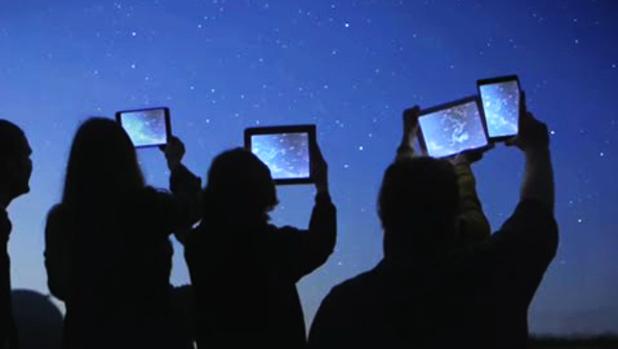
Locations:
{"points": [[445, 280]]}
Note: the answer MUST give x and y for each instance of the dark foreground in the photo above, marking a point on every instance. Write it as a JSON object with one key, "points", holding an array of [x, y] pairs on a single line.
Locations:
{"points": [[603, 342]]}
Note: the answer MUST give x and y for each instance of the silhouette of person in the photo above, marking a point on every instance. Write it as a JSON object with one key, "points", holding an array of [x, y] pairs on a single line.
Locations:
{"points": [[432, 291], [107, 248], [244, 270], [15, 171]]}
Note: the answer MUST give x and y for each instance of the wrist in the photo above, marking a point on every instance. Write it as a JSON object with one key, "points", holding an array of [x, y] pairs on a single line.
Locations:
{"points": [[535, 153], [321, 187], [173, 164], [405, 149], [405, 146]]}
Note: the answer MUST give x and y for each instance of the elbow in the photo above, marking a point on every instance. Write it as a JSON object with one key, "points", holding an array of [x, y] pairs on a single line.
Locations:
{"points": [[326, 249], [550, 242]]}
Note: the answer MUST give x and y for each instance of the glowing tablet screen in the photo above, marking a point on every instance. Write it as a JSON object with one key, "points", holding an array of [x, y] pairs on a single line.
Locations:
{"points": [[146, 127], [285, 154], [501, 107], [453, 130]]}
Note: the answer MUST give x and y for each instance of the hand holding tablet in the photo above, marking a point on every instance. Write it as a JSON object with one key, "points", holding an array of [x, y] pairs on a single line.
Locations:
{"points": [[174, 151], [319, 169], [473, 124]]}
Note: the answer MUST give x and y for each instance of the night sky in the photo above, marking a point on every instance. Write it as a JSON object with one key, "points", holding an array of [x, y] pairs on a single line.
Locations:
{"points": [[350, 67]]}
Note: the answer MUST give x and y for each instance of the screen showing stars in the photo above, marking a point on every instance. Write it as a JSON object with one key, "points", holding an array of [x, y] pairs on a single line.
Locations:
{"points": [[453, 130], [146, 127], [285, 154], [501, 108]]}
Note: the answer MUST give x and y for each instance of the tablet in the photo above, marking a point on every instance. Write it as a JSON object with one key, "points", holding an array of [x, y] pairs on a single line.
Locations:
{"points": [[286, 150], [452, 128], [500, 101], [146, 127]]}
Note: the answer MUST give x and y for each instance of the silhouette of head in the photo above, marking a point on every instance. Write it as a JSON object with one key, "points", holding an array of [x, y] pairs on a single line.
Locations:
{"points": [[15, 163], [102, 164], [418, 205], [240, 189]]}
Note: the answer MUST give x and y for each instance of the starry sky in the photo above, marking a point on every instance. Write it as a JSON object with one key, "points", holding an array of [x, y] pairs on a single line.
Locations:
{"points": [[350, 67]]}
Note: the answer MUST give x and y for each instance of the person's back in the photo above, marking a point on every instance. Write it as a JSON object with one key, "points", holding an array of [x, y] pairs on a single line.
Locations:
{"points": [[430, 291], [477, 295], [391, 308], [119, 274], [107, 253], [246, 291], [244, 270]]}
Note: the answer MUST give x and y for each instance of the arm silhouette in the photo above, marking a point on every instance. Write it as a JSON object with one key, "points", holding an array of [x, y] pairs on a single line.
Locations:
{"points": [[184, 206], [528, 240], [473, 223], [315, 245]]}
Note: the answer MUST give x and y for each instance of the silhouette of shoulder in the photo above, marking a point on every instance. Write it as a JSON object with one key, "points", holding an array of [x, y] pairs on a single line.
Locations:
{"points": [[349, 313]]}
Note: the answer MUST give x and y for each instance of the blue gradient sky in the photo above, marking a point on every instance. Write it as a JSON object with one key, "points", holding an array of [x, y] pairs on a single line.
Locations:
{"points": [[350, 67]]}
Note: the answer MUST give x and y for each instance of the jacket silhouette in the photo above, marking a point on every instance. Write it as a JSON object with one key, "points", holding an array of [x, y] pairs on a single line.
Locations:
{"points": [[8, 334], [476, 295], [109, 258], [244, 271]]}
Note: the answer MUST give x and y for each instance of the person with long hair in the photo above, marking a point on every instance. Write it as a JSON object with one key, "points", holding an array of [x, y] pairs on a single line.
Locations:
{"points": [[243, 269], [15, 172], [107, 249]]}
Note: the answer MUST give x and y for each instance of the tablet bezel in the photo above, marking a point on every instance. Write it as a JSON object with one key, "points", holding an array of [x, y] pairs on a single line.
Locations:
{"points": [[309, 129], [168, 124], [445, 106], [492, 81]]}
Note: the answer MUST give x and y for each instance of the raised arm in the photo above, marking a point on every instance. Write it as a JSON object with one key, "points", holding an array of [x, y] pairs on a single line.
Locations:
{"points": [[533, 140], [185, 204], [318, 242], [410, 129], [528, 240], [473, 223]]}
